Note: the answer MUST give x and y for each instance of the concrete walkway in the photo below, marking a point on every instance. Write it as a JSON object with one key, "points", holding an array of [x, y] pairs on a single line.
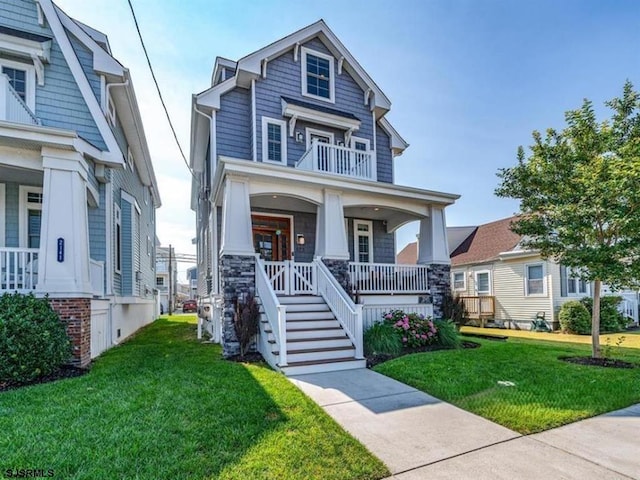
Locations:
{"points": [[418, 436]]}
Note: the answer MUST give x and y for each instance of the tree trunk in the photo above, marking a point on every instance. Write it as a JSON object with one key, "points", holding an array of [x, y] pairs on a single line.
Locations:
{"points": [[595, 320]]}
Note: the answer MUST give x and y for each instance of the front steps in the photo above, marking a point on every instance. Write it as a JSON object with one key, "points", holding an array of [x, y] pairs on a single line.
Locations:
{"points": [[315, 340]]}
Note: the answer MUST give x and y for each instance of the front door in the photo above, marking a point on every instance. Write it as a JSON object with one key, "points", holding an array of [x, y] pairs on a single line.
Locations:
{"points": [[272, 237]]}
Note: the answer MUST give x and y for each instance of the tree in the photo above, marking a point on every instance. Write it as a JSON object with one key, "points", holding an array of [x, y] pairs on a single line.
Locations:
{"points": [[579, 192]]}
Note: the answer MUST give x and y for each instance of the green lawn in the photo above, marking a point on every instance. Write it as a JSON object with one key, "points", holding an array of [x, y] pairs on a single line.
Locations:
{"points": [[547, 392], [163, 405]]}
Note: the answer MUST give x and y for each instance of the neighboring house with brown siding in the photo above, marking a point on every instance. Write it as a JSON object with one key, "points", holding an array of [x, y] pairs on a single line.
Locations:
{"points": [[500, 280]]}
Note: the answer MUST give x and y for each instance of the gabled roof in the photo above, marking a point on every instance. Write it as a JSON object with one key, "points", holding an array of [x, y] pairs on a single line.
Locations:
{"points": [[486, 243]]}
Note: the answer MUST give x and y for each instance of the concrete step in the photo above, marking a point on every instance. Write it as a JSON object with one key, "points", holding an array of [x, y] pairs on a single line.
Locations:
{"points": [[314, 343], [301, 368], [295, 316]]}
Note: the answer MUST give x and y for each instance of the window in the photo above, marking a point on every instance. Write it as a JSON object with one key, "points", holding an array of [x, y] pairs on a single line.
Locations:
{"points": [[317, 75], [363, 241], [274, 140], [360, 144], [118, 239], [320, 135], [575, 285], [30, 216], [483, 282], [18, 80], [159, 281], [22, 78], [534, 279], [459, 281]]}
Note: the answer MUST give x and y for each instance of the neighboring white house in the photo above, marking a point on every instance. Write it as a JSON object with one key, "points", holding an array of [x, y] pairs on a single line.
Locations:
{"points": [[499, 280], [166, 277], [296, 202], [77, 188]]}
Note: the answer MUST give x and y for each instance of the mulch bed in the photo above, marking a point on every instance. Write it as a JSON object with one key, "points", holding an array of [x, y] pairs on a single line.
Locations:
{"points": [[598, 362], [249, 357], [373, 360], [66, 371]]}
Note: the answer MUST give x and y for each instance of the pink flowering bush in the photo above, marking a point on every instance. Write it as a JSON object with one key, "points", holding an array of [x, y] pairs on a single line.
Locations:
{"points": [[414, 330]]}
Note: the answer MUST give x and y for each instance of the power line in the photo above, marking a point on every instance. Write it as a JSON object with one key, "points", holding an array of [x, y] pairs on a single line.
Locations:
{"points": [[155, 81]]}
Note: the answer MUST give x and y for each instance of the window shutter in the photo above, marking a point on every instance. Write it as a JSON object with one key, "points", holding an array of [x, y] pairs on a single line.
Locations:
{"points": [[563, 281]]}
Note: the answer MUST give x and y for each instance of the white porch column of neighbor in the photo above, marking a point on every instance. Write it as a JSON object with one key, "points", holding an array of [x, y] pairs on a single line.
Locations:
{"points": [[64, 234], [331, 237], [433, 250], [236, 238]]}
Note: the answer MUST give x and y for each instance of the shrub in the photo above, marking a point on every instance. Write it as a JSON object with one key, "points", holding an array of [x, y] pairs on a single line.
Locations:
{"points": [[382, 338], [447, 334], [246, 322], [574, 318], [611, 320], [415, 330], [33, 341], [453, 309]]}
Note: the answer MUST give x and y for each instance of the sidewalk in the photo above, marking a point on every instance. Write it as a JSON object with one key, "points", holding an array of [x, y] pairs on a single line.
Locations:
{"points": [[418, 436]]}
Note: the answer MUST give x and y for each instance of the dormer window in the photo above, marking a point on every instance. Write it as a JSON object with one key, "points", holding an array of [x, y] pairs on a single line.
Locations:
{"points": [[318, 79]]}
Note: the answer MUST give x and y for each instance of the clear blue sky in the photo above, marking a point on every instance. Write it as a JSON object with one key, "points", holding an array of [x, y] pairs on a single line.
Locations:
{"points": [[469, 80]]}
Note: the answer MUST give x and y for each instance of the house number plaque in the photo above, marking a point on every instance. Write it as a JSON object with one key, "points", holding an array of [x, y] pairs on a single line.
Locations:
{"points": [[61, 249]]}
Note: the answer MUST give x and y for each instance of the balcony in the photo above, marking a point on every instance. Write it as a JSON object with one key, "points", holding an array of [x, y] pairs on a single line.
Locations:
{"points": [[12, 107], [337, 160], [388, 278]]}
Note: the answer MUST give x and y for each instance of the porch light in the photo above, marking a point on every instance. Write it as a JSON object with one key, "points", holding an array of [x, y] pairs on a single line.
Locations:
{"points": [[299, 136], [300, 239]]}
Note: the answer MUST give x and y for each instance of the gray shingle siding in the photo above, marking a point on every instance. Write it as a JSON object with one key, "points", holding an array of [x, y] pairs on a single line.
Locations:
{"points": [[11, 237], [233, 124], [85, 56], [385, 159], [383, 242], [97, 228]]}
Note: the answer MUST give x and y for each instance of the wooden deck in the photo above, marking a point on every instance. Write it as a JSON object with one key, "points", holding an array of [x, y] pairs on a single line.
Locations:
{"points": [[480, 308]]}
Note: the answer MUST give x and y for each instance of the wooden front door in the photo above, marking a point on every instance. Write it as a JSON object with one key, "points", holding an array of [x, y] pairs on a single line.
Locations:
{"points": [[272, 237]]}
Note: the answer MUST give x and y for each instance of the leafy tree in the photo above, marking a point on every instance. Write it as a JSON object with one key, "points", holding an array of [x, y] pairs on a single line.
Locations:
{"points": [[579, 192]]}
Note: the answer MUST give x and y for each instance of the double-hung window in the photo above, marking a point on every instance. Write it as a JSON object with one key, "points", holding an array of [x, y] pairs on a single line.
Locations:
{"points": [[274, 140], [317, 75], [22, 78], [459, 281], [483, 282], [18, 80], [534, 279], [575, 285]]}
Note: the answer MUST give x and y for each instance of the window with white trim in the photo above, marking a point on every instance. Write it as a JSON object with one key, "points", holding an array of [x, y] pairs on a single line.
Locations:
{"points": [[483, 282], [363, 241], [274, 140], [118, 238], [360, 144], [459, 281], [318, 78], [534, 281], [22, 78], [575, 285], [30, 216], [159, 281]]}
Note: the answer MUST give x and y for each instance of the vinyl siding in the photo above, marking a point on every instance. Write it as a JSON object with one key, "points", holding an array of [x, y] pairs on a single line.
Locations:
{"points": [[383, 242], [384, 157], [97, 228], [233, 124], [85, 57], [11, 236], [127, 247]]}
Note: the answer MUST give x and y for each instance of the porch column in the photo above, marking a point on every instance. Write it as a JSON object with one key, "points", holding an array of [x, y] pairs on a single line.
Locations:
{"points": [[236, 218], [433, 250], [64, 234], [331, 237]]}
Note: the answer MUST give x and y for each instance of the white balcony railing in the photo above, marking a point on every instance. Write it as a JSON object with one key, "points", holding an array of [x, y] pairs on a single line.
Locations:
{"points": [[18, 269], [96, 274], [12, 107], [387, 278], [348, 162]]}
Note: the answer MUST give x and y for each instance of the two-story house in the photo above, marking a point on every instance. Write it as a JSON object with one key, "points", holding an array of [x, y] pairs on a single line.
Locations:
{"points": [[166, 278], [296, 202], [77, 189]]}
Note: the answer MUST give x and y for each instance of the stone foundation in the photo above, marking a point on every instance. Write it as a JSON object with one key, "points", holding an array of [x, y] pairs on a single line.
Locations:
{"points": [[439, 278], [340, 271], [237, 280], [75, 313]]}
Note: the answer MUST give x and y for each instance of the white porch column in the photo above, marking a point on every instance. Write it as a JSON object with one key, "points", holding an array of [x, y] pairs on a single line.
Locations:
{"points": [[236, 218], [64, 234], [432, 244], [331, 237]]}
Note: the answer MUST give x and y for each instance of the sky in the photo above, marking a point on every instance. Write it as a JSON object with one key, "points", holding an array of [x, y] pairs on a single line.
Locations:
{"points": [[469, 80]]}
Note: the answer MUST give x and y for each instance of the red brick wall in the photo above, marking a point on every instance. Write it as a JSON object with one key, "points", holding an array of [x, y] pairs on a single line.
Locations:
{"points": [[75, 313]]}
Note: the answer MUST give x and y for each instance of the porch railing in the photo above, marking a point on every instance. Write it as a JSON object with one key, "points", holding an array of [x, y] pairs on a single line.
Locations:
{"points": [[291, 278], [96, 274], [373, 313], [276, 314], [388, 278], [479, 307], [338, 160], [12, 107], [18, 269], [348, 314]]}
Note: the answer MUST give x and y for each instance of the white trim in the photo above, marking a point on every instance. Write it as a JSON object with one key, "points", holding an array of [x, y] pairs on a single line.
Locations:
{"points": [[253, 120], [117, 216], [526, 279], [398, 144], [130, 159], [23, 209], [479, 272], [110, 113], [576, 281], [323, 118], [332, 75], [366, 141], [265, 140], [279, 215], [30, 79], [464, 281], [356, 244], [3, 214], [23, 47], [308, 131], [108, 220]]}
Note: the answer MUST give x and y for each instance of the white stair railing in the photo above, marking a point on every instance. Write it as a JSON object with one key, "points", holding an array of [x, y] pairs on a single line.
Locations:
{"points": [[276, 314], [348, 314]]}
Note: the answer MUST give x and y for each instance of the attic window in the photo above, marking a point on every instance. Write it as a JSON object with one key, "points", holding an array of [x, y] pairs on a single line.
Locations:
{"points": [[318, 78]]}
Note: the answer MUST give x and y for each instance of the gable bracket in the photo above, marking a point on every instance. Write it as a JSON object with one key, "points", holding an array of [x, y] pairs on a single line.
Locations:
{"points": [[37, 63], [340, 62], [264, 68], [347, 136], [292, 124], [40, 15], [366, 96], [296, 49]]}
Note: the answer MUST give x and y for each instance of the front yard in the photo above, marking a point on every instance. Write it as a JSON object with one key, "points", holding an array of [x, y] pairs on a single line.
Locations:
{"points": [[163, 405], [520, 383]]}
